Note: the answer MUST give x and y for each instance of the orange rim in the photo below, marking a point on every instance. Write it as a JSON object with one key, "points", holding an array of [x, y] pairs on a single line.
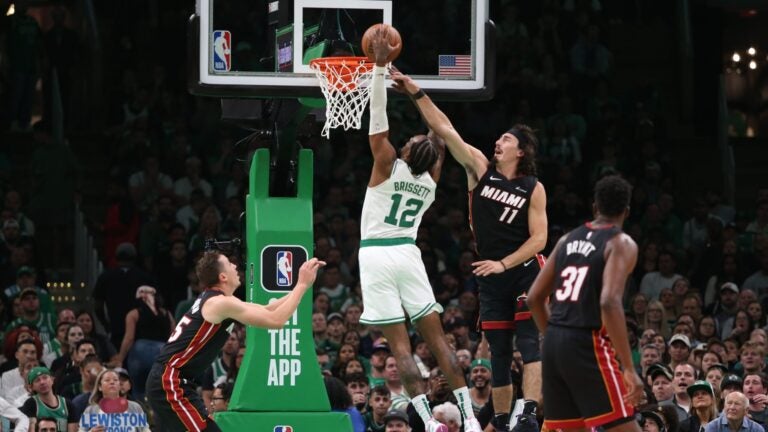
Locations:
{"points": [[323, 64]]}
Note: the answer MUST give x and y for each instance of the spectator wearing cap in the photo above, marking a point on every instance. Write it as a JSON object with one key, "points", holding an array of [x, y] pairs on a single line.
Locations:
{"points": [[379, 405], [44, 402], [659, 418], [754, 388], [396, 421], [730, 383], [33, 316], [653, 282], [115, 291], [679, 350], [334, 332], [758, 281], [90, 368], [724, 310], [480, 377], [378, 361], [661, 382], [703, 406], [26, 277], [683, 377], [734, 416]]}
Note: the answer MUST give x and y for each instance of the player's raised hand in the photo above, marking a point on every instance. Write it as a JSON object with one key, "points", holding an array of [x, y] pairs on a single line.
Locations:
{"points": [[634, 387], [403, 83], [487, 267], [381, 46], [308, 271]]}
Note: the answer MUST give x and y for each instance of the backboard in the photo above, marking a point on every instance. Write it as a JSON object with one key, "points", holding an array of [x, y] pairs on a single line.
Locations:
{"points": [[262, 48]]}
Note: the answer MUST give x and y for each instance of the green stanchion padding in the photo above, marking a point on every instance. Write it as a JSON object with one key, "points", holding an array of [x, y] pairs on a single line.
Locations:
{"points": [[279, 383]]}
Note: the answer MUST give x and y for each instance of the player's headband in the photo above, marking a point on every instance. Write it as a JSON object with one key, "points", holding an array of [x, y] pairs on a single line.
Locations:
{"points": [[517, 133]]}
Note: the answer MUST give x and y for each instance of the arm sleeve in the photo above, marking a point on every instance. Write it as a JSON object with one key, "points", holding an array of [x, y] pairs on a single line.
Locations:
{"points": [[378, 122]]}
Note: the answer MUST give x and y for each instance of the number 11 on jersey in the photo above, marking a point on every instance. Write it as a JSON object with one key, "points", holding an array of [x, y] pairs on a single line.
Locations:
{"points": [[511, 214]]}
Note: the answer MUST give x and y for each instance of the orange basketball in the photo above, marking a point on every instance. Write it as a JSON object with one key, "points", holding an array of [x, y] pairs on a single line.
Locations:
{"points": [[394, 40]]}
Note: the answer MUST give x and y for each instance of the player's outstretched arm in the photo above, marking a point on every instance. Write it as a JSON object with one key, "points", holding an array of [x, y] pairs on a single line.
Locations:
{"points": [[219, 308], [542, 289], [472, 159], [621, 257], [384, 153]]}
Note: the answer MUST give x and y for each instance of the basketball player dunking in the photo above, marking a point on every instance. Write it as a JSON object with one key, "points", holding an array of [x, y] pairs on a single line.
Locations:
{"points": [[201, 334], [509, 221], [392, 275], [585, 323]]}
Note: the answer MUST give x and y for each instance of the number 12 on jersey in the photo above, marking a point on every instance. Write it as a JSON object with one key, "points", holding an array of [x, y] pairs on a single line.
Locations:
{"points": [[573, 279], [407, 218]]}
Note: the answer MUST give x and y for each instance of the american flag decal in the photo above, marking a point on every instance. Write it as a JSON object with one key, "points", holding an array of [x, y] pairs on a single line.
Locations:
{"points": [[454, 65]]}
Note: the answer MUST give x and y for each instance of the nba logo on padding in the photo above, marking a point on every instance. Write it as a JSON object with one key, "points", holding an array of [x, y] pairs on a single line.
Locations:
{"points": [[283, 429], [222, 50], [284, 268]]}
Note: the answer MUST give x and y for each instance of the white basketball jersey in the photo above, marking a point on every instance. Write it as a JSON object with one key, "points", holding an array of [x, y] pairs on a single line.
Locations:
{"points": [[394, 208]]}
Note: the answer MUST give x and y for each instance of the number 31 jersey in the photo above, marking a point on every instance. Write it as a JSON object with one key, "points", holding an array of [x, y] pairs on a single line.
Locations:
{"points": [[394, 208], [579, 264]]}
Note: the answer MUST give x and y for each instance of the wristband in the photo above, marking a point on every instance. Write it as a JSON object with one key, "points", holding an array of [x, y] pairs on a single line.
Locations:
{"points": [[502, 264], [418, 95]]}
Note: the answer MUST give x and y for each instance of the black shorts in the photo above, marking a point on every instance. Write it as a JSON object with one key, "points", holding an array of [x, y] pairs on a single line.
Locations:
{"points": [[578, 362], [503, 295], [176, 404]]}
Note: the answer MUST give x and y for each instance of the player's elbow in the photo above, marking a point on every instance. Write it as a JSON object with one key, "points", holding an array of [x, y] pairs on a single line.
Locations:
{"points": [[610, 303]]}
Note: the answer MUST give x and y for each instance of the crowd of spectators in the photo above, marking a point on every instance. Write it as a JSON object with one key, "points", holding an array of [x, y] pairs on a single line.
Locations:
{"points": [[696, 302]]}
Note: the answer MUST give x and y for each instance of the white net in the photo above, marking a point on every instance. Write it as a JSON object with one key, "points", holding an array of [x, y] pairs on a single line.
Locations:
{"points": [[345, 83]]}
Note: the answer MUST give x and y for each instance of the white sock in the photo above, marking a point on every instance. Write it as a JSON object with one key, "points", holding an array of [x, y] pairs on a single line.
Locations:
{"points": [[464, 402], [421, 404]]}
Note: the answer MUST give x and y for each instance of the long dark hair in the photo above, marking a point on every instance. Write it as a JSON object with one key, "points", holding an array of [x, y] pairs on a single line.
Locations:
{"points": [[528, 143]]}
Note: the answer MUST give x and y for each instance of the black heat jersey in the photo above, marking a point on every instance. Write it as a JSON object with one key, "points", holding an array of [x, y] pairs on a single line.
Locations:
{"points": [[580, 262], [498, 213], [195, 342]]}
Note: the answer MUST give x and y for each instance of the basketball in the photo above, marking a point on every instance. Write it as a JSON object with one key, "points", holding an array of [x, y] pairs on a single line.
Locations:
{"points": [[394, 40]]}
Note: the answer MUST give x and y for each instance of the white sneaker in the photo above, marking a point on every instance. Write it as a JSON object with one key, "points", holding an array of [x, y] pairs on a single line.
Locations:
{"points": [[435, 426], [472, 425]]}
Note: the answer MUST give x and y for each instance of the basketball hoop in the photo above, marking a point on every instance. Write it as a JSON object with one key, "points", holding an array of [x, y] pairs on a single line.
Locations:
{"points": [[345, 83]]}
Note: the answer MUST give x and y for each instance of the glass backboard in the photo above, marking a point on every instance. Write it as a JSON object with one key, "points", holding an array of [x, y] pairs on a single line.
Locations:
{"points": [[262, 48]]}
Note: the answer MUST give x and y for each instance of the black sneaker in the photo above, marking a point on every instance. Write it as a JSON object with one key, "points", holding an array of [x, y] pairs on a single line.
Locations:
{"points": [[501, 423], [526, 423]]}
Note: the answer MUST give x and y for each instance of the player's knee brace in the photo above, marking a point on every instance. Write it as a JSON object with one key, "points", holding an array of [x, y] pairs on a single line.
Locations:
{"points": [[527, 341], [500, 342]]}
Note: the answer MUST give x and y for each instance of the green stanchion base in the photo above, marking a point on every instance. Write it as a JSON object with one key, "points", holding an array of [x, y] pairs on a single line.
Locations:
{"points": [[232, 421]]}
